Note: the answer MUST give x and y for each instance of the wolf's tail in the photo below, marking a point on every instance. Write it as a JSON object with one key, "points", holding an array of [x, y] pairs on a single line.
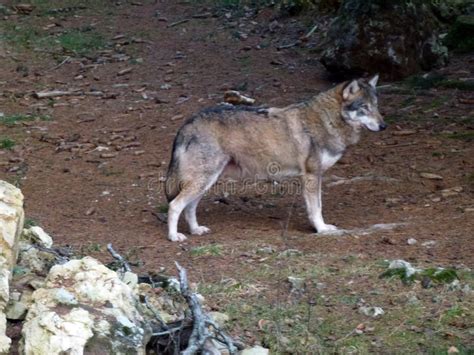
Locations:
{"points": [[172, 185]]}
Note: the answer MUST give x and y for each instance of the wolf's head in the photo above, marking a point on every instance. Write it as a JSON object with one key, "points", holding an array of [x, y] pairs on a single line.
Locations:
{"points": [[359, 106]]}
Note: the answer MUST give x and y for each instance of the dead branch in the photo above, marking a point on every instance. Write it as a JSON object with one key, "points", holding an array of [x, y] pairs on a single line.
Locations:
{"points": [[59, 93], [236, 98], [180, 22], [123, 263], [200, 333]]}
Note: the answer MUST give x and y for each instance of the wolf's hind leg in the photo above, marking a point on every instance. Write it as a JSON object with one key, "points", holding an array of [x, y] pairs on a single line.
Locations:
{"points": [[174, 211], [198, 183], [190, 215]]}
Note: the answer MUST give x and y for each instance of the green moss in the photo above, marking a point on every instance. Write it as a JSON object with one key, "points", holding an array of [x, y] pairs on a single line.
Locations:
{"points": [[7, 143], [11, 120], [461, 36]]}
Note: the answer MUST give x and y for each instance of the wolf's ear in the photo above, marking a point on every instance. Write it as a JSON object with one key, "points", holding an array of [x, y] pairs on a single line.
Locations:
{"points": [[373, 81], [351, 89]]}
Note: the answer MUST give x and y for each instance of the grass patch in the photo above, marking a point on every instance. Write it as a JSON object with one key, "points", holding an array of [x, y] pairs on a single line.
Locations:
{"points": [[10, 120], [29, 222], [436, 275], [81, 42], [163, 208], [25, 35], [464, 136], [207, 250], [7, 143]]}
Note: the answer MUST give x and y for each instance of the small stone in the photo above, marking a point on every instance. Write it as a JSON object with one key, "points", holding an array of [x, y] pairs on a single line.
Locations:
{"points": [[177, 117], [373, 312], [453, 350], [412, 298], [108, 155], [428, 243], [220, 318], [453, 191], [297, 283], [411, 241], [431, 176], [265, 250], [165, 87], [256, 350], [468, 209]]}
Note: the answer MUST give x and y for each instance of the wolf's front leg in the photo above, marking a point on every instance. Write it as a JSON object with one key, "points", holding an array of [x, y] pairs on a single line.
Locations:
{"points": [[312, 197]]}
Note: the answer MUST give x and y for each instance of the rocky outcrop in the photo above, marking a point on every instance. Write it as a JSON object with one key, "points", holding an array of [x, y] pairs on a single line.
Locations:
{"points": [[11, 224], [84, 307], [393, 38]]}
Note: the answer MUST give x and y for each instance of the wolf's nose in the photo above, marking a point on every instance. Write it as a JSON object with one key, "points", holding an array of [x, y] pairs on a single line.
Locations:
{"points": [[382, 126]]}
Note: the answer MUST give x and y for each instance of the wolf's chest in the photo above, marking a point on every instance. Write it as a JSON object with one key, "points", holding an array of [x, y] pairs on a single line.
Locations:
{"points": [[327, 159]]}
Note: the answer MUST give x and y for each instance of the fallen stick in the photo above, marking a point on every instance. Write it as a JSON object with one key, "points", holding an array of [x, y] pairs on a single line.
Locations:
{"points": [[180, 22], [59, 93], [310, 33], [362, 178], [119, 258], [54, 93]]}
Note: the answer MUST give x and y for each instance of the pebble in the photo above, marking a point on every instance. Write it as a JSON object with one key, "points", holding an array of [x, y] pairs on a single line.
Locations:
{"points": [[411, 241]]}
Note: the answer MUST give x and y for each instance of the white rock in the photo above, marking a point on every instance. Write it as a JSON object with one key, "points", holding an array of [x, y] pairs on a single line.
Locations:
{"points": [[402, 264], [373, 312], [39, 236], [83, 303], [411, 241], [256, 350], [11, 224]]}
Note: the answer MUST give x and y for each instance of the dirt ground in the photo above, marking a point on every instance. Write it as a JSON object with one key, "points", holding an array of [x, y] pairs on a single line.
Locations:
{"points": [[92, 173]]}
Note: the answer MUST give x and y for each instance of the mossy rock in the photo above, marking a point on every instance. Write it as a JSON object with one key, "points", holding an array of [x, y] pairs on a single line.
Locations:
{"points": [[396, 38], [461, 36]]}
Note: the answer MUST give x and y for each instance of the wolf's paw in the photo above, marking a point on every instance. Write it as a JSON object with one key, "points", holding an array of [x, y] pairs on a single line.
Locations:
{"points": [[326, 228], [178, 237], [200, 230]]}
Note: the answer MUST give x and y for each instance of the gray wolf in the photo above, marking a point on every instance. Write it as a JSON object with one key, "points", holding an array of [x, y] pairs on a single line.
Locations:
{"points": [[304, 140]]}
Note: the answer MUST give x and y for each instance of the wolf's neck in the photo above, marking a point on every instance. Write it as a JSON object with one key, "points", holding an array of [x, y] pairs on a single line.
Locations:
{"points": [[324, 114]]}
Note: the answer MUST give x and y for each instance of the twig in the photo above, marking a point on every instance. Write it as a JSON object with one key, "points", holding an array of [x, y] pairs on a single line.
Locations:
{"points": [[311, 31], [119, 258], [67, 59], [290, 45], [180, 22]]}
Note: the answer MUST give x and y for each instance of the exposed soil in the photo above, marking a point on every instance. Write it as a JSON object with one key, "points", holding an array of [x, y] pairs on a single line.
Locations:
{"points": [[86, 197]]}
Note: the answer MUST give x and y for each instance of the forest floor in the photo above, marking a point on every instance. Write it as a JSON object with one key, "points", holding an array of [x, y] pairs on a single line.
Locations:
{"points": [[91, 170]]}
